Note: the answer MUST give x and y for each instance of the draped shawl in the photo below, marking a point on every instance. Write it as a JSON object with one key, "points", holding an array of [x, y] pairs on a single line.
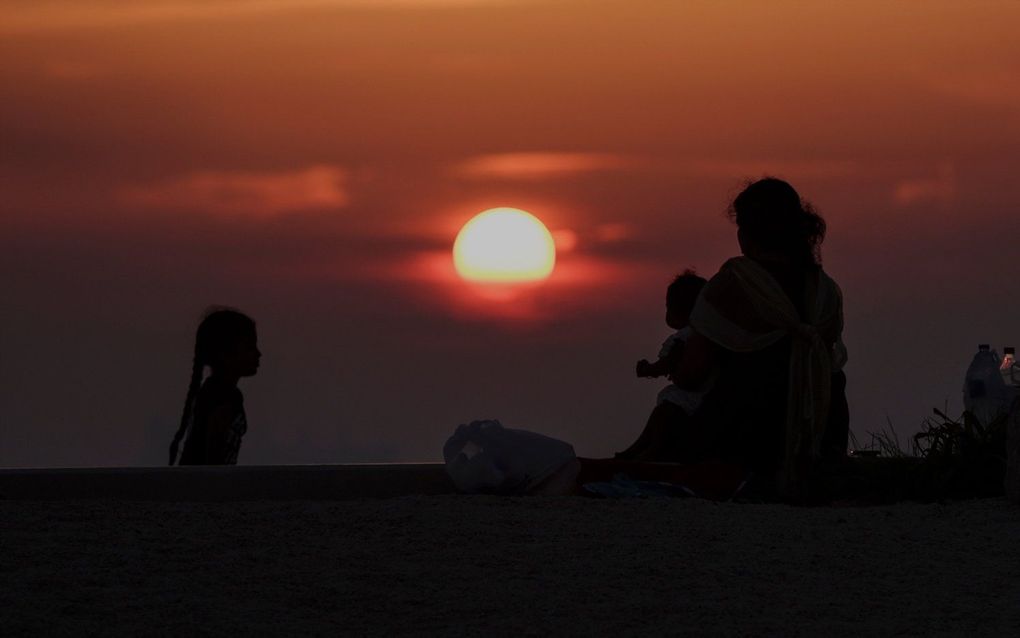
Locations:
{"points": [[744, 309]]}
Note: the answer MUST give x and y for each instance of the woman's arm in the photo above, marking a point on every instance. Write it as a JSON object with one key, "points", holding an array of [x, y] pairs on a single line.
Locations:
{"points": [[695, 364]]}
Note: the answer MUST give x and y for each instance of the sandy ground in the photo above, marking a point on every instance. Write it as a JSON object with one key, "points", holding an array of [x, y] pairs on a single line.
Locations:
{"points": [[489, 565]]}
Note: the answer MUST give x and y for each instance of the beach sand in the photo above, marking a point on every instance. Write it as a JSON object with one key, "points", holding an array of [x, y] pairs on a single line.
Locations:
{"points": [[488, 565]]}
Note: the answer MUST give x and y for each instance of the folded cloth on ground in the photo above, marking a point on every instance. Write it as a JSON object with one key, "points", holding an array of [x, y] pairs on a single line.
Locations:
{"points": [[712, 480], [623, 487]]}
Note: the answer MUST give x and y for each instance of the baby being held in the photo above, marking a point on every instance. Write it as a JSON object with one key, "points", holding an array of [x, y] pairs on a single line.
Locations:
{"points": [[680, 297]]}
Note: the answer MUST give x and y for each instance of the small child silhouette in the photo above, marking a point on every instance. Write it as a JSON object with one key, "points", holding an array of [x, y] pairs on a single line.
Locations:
{"points": [[214, 418], [674, 404], [680, 297]]}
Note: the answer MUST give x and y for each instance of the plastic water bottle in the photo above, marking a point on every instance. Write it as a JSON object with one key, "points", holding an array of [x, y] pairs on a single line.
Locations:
{"points": [[1008, 368], [984, 393], [1010, 371]]}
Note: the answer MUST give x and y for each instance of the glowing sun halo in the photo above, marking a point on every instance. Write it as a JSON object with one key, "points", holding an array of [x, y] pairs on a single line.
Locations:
{"points": [[504, 245]]}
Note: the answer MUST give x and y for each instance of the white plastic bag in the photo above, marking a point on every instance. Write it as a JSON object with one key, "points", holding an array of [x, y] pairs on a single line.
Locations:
{"points": [[485, 457]]}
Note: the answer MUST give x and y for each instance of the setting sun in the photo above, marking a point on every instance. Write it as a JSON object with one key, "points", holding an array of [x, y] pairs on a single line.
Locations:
{"points": [[504, 245]]}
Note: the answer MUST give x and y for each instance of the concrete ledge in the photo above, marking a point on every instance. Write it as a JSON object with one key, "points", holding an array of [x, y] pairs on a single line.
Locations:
{"points": [[213, 483]]}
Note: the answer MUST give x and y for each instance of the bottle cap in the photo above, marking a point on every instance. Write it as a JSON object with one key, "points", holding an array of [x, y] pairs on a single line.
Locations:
{"points": [[984, 346], [1009, 350]]}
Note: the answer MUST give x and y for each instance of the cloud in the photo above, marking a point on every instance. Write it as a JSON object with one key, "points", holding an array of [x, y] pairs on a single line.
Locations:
{"points": [[74, 70], [793, 169], [84, 14], [546, 165], [538, 165], [243, 192], [613, 232], [940, 189], [566, 240], [993, 87]]}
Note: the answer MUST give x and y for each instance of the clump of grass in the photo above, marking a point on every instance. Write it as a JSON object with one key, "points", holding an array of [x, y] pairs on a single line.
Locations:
{"points": [[963, 458], [948, 459], [884, 442]]}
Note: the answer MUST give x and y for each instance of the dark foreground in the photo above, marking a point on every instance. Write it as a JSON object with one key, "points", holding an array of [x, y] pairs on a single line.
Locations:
{"points": [[503, 566]]}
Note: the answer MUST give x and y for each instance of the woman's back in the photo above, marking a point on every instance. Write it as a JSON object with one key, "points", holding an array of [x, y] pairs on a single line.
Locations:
{"points": [[746, 410]]}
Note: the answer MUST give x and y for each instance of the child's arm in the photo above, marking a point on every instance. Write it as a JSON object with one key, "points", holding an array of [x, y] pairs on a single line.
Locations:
{"points": [[663, 366], [658, 368]]}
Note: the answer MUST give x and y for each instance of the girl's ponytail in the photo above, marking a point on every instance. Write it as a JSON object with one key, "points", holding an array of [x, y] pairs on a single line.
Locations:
{"points": [[197, 367]]}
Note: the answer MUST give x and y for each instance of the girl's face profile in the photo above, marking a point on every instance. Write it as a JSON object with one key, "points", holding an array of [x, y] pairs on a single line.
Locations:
{"points": [[241, 358], [246, 354]]}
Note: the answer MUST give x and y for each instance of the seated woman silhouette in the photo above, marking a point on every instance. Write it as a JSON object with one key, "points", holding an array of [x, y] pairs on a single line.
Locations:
{"points": [[214, 418], [766, 330]]}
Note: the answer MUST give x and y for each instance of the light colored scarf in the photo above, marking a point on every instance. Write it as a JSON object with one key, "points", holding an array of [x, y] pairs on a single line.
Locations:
{"points": [[744, 309]]}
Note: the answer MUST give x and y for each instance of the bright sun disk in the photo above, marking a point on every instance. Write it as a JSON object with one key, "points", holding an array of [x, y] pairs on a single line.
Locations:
{"points": [[504, 245]]}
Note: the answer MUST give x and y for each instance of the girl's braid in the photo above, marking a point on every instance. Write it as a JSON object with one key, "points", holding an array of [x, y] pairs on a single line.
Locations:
{"points": [[197, 366]]}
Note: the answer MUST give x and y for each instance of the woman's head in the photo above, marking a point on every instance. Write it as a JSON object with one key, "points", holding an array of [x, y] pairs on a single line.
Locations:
{"points": [[226, 341], [772, 220]]}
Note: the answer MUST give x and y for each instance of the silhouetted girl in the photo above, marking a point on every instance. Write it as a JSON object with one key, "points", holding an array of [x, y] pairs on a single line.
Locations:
{"points": [[214, 418]]}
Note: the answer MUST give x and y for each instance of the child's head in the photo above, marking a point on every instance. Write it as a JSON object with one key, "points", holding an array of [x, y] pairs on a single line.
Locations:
{"points": [[680, 297], [227, 342]]}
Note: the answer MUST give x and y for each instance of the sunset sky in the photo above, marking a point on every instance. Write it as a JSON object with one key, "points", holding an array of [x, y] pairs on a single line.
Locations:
{"points": [[310, 162]]}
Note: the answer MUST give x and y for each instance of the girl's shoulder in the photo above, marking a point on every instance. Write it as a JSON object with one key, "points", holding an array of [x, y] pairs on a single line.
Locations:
{"points": [[215, 392]]}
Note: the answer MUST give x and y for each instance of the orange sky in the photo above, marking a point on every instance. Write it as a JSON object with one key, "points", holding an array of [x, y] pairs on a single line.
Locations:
{"points": [[312, 161]]}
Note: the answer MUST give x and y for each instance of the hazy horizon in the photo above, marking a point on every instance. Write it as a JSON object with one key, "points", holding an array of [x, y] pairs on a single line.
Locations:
{"points": [[311, 162]]}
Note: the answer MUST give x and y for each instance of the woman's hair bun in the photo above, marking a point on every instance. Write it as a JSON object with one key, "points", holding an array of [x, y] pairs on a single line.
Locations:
{"points": [[771, 212]]}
